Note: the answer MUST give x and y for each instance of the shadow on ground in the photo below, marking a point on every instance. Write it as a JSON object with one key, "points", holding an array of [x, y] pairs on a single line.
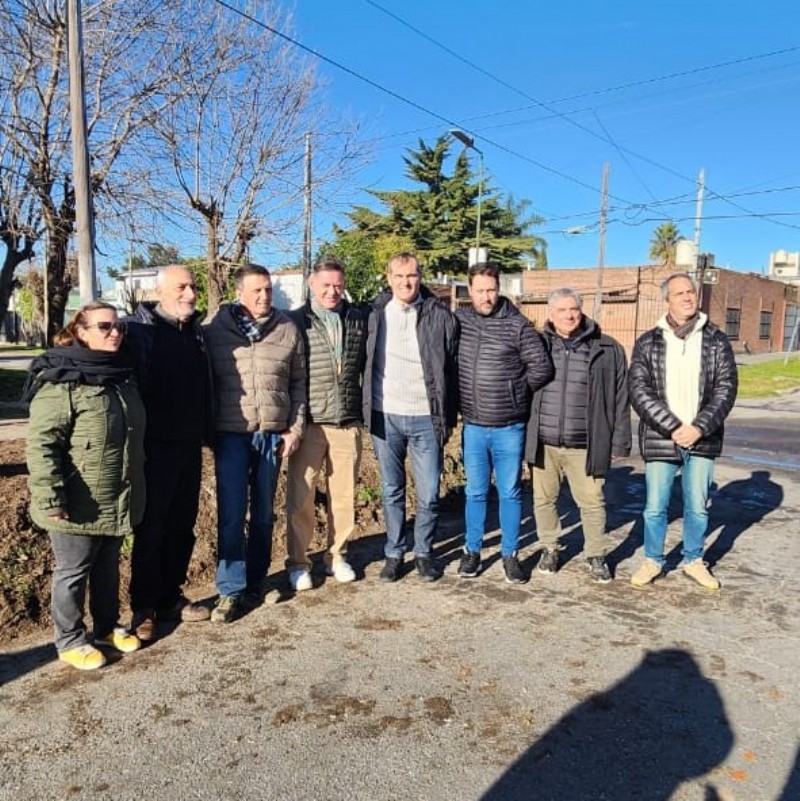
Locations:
{"points": [[660, 726]]}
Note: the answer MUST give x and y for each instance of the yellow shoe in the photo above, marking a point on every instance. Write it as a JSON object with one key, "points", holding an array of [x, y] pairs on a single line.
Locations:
{"points": [[84, 657], [647, 572], [698, 571], [122, 640]]}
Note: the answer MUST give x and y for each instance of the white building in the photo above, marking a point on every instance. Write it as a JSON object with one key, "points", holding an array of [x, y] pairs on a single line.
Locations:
{"points": [[785, 266]]}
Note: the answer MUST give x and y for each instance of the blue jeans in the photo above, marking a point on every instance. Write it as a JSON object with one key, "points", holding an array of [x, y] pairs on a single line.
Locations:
{"points": [[246, 465], [500, 448], [697, 473], [393, 436]]}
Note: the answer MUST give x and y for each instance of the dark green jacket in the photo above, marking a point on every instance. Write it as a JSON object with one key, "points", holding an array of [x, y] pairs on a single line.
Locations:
{"points": [[334, 397], [86, 457]]}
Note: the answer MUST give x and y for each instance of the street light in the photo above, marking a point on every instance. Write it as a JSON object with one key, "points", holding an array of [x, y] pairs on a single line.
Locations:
{"points": [[479, 254]]}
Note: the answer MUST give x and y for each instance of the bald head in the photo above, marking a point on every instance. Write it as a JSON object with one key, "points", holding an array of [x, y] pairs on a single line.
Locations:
{"points": [[177, 291]]}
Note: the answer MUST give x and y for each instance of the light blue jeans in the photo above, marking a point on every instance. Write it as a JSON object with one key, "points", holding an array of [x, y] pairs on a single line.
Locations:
{"points": [[247, 468], [501, 448], [393, 436], [697, 474]]}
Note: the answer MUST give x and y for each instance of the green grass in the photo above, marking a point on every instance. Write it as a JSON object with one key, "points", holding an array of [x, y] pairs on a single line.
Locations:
{"points": [[769, 378]]}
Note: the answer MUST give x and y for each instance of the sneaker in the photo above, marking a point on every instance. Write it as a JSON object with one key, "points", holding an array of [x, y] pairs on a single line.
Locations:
{"points": [[427, 568], [648, 571], [598, 569], [84, 657], [341, 571], [300, 580], [548, 561], [143, 625], [122, 640], [513, 571], [185, 611], [698, 570], [470, 564], [391, 569], [227, 609]]}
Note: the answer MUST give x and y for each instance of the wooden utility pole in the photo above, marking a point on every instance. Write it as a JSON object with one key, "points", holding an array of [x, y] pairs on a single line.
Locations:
{"points": [[307, 217], [601, 255], [80, 155]]}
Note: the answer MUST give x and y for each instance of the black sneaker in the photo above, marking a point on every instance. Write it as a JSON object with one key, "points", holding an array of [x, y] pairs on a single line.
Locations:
{"points": [[470, 564], [427, 568], [513, 571], [391, 569], [598, 569], [548, 561]]}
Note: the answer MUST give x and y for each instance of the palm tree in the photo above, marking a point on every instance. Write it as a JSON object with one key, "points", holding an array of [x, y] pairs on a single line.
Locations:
{"points": [[664, 242]]}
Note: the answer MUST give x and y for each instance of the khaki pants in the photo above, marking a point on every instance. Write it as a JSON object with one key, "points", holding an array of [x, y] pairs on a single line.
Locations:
{"points": [[569, 463], [339, 451]]}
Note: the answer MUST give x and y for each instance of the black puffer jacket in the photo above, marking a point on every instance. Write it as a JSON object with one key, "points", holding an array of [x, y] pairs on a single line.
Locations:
{"points": [[334, 397], [597, 389], [437, 334], [501, 363], [173, 373], [719, 383]]}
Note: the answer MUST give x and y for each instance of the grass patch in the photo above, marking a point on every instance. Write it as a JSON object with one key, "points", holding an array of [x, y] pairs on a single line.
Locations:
{"points": [[768, 378]]}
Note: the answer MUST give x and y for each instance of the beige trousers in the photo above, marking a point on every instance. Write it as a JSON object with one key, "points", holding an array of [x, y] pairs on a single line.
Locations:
{"points": [[569, 463], [338, 450]]}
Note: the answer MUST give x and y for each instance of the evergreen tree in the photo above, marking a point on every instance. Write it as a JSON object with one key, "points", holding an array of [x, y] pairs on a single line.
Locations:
{"points": [[437, 221]]}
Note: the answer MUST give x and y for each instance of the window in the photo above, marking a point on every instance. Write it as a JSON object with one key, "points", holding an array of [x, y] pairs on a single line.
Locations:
{"points": [[765, 325], [733, 318]]}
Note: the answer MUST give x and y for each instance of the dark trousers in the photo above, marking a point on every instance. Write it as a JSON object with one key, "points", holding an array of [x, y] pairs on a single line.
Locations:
{"points": [[81, 560], [164, 540]]}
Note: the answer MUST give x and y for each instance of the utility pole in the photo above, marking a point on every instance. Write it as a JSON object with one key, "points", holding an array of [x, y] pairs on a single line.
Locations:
{"points": [[307, 216], [601, 256], [80, 155], [701, 259], [698, 216]]}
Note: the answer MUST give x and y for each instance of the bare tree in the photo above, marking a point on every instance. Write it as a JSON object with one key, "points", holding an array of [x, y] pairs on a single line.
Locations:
{"points": [[133, 65], [236, 138]]}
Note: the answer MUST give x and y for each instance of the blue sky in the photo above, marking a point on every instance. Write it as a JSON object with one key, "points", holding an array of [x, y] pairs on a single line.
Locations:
{"points": [[546, 133]]}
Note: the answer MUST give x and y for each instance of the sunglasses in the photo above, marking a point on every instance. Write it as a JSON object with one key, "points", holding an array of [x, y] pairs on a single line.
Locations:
{"points": [[106, 327]]}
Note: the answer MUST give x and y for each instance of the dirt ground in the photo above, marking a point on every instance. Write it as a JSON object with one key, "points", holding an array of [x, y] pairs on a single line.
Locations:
{"points": [[26, 561]]}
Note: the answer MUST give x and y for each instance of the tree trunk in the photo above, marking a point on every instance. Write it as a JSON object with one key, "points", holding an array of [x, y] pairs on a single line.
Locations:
{"points": [[59, 281], [12, 260], [214, 270]]}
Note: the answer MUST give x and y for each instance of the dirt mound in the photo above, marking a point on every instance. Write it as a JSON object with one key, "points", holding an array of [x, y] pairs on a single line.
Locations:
{"points": [[26, 560]]}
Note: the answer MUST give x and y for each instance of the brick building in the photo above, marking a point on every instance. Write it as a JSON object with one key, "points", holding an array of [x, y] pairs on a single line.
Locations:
{"points": [[757, 313]]}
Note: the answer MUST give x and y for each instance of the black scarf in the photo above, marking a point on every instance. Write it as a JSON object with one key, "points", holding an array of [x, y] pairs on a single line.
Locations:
{"points": [[78, 365], [683, 330], [254, 330]]}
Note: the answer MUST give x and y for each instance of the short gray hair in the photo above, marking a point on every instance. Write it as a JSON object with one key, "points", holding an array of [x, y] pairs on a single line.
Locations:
{"points": [[565, 292], [666, 282]]}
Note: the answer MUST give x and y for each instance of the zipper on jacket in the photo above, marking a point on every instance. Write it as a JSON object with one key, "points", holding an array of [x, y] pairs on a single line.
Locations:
{"points": [[563, 414]]}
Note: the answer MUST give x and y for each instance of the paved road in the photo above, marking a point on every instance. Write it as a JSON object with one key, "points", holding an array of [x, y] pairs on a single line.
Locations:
{"points": [[560, 689]]}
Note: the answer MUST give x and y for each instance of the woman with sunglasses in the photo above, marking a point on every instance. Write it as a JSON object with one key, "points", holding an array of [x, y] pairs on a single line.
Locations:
{"points": [[85, 455]]}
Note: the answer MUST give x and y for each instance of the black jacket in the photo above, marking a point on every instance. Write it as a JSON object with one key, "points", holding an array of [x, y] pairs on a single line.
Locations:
{"points": [[603, 384], [334, 397], [437, 335], [719, 382], [174, 375], [501, 363]]}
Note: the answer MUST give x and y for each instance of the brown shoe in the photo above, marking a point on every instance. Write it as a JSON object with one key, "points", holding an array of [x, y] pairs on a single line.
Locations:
{"points": [[195, 613], [143, 625], [185, 611]]}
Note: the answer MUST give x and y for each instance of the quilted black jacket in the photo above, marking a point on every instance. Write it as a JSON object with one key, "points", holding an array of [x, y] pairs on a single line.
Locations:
{"points": [[647, 384]]}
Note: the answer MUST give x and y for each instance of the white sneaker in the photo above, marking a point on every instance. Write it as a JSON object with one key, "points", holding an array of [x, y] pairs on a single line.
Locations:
{"points": [[341, 571], [300, 580]]}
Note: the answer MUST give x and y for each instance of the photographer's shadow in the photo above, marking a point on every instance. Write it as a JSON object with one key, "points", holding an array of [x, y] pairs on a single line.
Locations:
{"points": [[660, 726]]}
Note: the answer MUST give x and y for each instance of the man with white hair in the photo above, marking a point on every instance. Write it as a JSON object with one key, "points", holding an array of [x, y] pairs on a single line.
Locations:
{"points": [[579, 422], [173, 372]]}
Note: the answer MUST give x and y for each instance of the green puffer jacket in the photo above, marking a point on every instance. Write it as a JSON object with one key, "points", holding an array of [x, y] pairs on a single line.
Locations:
{"points": [[86, 457]]}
